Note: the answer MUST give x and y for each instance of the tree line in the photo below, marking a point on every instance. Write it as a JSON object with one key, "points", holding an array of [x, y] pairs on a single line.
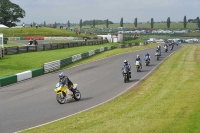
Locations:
{"points": [[10, 13]]}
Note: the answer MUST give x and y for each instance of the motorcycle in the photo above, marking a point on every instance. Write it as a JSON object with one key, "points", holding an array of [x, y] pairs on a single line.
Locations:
{"points": [[166, 48], [157, 53], [147, 60], [138, 67], [126, 74], [63, 94]]}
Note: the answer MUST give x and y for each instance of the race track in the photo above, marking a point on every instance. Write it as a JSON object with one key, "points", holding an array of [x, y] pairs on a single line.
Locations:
{"points": [[32, 102]]}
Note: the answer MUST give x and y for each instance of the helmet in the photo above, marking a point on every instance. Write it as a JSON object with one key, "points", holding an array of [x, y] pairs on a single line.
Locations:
{"points": [[61, 75], [138, 56], [125, 62], [147, 53]]}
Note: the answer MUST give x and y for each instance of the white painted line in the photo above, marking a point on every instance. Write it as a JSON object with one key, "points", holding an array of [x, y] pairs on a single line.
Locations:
{"points": [[104, 101]]}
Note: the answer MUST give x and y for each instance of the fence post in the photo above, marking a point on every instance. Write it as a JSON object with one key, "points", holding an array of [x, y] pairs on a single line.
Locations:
{"points": [[35, 47], [6, 49], [51, 46], [18, 50], [44, 47], [27, 48], [57, 45]]}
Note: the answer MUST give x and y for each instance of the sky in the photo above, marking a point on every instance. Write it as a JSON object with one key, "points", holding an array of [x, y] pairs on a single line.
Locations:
{"points": [[61, 11]]}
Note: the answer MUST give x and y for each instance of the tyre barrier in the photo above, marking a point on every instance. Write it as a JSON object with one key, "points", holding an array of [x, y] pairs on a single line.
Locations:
{"points": [[54, 65], [49, 67]]}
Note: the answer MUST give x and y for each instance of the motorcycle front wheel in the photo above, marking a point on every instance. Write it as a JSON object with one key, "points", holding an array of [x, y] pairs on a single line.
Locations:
{"points": [[60, 99], [124, 79]]}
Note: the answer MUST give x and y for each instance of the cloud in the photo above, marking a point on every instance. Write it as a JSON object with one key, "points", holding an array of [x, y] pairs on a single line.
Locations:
{"points": [[74, 10]]}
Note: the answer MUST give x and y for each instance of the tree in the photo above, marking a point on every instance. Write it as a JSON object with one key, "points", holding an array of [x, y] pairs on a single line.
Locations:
{"points": [[93, 23], [135, 22], [198, 24], [168, 22], [197, 19], [152, 23], [121, 22], [68, 24], [97, 22], [184, 21], [10, 13], [55, 25], [80, 24], [44, 24], [107, 23]]}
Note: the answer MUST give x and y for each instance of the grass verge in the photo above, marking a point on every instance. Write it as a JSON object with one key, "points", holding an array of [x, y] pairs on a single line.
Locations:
{"points": [[12, 64], [11, 44], [166, 102]]}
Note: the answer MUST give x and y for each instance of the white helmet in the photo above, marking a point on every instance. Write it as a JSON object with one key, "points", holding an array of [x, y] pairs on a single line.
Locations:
{"points": [[125, 62], [138, 56]]}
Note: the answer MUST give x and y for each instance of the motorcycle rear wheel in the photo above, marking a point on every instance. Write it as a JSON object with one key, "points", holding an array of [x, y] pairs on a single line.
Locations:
{"points": [[77, 95], [60, 99]]}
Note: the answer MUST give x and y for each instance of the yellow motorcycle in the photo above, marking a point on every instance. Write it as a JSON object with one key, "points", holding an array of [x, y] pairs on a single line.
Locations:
{"points": [[138, 67], [63, 93]]}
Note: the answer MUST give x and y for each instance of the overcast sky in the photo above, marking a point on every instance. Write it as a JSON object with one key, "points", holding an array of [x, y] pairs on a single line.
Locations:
{"points": [[61, 11]]}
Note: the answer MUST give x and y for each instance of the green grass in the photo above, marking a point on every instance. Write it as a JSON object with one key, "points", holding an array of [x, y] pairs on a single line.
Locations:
{"points": [[12, 64], [166, 102], [145, 25], [11, 44], [42, 31], [138, 40]]}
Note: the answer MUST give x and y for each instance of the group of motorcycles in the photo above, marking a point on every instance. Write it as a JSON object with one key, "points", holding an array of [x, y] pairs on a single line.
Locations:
{"points": [[64, 94], [126, 71]]}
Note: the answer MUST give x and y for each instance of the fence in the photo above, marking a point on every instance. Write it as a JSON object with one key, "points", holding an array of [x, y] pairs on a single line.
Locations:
{"points": [[51, 46]]}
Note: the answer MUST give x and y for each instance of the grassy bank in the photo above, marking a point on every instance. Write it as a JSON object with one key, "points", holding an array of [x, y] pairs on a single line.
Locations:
{"points": [[12, 64], [41, 31], [166, 102], [11, 44], [138, 40]]}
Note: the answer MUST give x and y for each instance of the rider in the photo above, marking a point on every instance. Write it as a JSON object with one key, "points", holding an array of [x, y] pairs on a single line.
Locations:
{"points": [[138, 59], [158, 49], [64, 80], [147, 56], [165, 45], [126, 64]]}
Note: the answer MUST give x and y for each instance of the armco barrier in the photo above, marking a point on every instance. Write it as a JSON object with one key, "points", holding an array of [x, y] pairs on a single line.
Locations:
{"points": [[24, 75], [8, 80]]}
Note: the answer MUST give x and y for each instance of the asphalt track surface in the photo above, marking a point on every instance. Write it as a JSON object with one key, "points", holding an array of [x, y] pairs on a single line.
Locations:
{"points": [[33, 102]]}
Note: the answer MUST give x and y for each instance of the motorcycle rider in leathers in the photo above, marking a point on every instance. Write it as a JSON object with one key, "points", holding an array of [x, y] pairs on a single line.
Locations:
{"points": [[126, 64], [64, 80]]}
